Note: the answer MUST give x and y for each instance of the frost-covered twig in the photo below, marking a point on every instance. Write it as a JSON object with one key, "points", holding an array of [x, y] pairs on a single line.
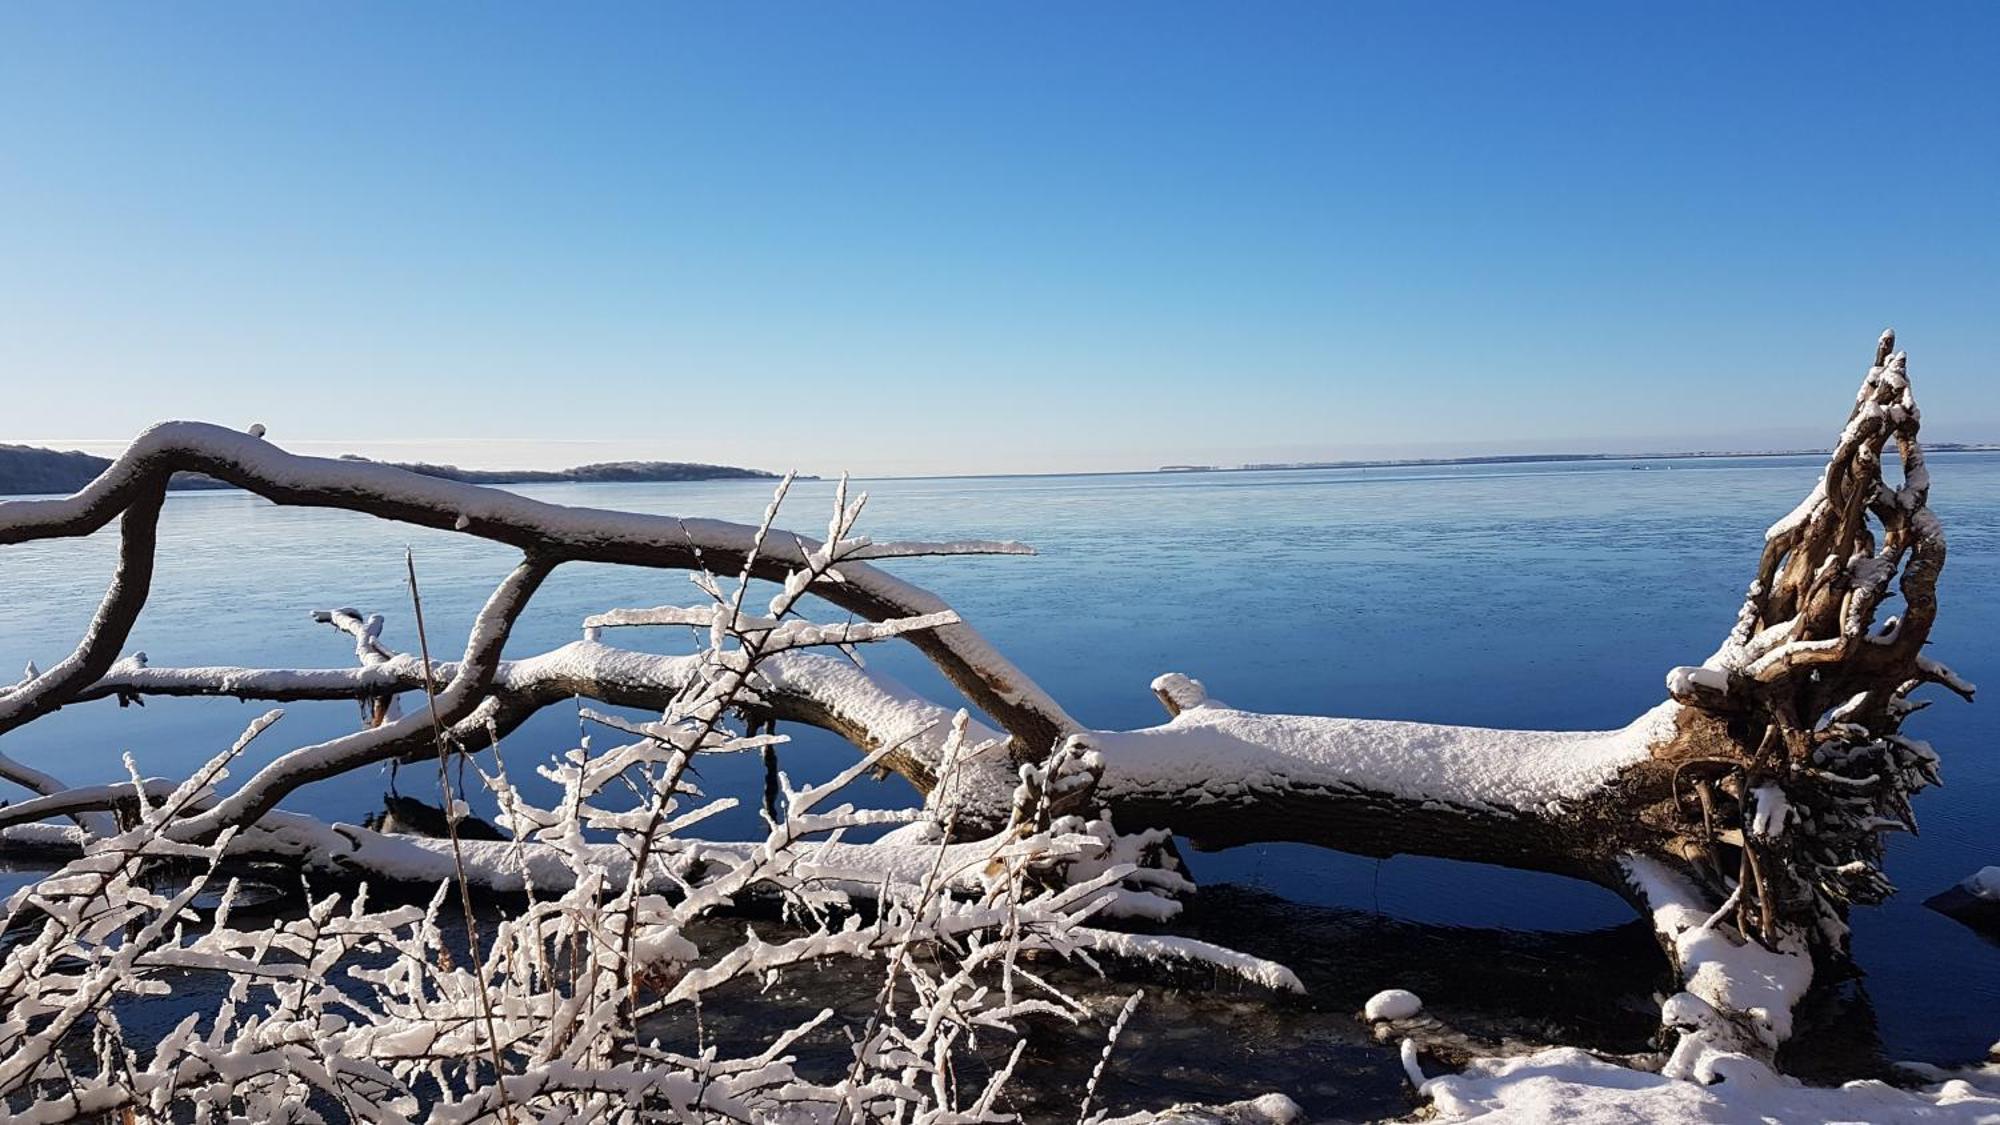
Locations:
{"points": [[372, 1011]]}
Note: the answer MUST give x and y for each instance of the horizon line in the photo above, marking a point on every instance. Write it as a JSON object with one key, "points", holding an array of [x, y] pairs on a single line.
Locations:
{"points": [[1170, 469]]}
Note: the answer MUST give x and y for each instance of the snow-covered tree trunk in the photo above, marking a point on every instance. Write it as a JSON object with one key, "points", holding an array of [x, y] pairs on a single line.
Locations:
{"points": [[1747, 807]]}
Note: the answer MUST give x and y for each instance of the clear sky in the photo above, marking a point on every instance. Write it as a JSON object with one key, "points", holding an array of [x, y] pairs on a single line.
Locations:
{"points": [[968, 237]]}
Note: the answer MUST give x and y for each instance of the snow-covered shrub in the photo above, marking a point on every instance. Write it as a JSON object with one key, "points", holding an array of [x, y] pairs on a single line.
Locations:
{"points": [[557, 1007]]}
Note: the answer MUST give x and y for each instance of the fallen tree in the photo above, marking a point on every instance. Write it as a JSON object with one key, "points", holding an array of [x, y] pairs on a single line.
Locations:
{"points": [[1744, 814]]}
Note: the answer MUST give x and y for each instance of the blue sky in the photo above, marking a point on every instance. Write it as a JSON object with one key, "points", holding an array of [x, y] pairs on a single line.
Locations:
{"points": [[935, 238]]}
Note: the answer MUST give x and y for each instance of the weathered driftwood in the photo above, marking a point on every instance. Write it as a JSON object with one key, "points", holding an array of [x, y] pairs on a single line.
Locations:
{"points": [[549, 534], [1759, 790]]}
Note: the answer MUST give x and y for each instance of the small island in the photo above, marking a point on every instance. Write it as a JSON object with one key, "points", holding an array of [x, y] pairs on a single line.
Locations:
{"points": [[26, 470]]}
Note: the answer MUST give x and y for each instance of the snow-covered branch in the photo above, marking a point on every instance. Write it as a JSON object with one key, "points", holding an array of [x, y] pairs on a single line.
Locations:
{"points": [[456, 703], [1744, 815], [44, 692], [379, 1014], [557, 533]]}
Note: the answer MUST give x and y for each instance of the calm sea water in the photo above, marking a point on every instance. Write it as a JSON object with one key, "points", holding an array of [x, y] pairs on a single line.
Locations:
{"points": [[1527, 596]]}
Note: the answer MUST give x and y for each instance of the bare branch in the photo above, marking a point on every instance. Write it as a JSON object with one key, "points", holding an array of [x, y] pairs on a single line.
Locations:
{"points": [[548, 531], [391, 740]]}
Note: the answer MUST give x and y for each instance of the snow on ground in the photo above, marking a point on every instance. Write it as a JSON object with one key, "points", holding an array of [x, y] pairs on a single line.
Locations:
{"points": [[1571, 1085], [1704, 1080], [1269, 1109], [1214, 752], [1565, 1084]]}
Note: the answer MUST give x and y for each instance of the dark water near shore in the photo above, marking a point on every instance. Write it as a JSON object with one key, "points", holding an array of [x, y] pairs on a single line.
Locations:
{"points": [[1520, 595]]}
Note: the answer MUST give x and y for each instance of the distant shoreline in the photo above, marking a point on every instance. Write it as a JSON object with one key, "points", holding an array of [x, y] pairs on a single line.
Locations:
{"points": [[27, 470], [1544, 458], [34, 471]]}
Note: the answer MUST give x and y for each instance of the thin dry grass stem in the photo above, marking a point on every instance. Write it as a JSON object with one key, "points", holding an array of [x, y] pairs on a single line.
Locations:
{"points": [[451, 817]]}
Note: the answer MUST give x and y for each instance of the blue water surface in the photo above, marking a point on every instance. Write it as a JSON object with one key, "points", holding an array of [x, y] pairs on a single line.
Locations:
{"points": [[1544, 595]]}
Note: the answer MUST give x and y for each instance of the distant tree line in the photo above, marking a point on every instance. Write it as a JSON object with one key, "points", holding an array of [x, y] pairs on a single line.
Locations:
{"points": [[26, 470]]}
